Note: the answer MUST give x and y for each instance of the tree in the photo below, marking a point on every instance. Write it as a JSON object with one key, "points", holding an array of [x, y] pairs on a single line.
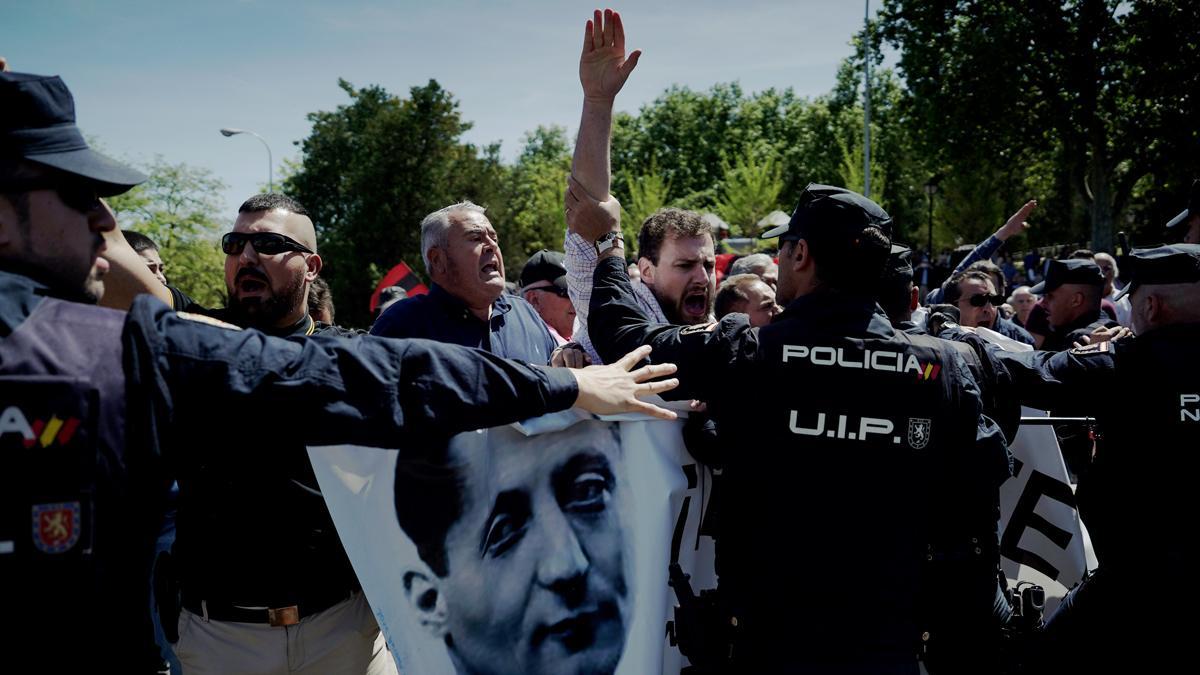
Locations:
{"points": [[1009, 86], [177, 208], [749, 191], [533, 217], [372, 169]]}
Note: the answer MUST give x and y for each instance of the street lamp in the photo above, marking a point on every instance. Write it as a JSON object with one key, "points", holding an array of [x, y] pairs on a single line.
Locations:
{"points": [[227, 132], [931, 188]]}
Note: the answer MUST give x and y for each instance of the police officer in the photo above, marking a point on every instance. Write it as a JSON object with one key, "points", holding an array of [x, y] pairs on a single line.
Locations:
{"points": [[89, 395], [1185, 226], [1071, 295], [860, 517], [1136, 498]]}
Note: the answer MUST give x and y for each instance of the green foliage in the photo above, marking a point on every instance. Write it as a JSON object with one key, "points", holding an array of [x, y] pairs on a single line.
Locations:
{"points": [[178, 209], [750, 190], [533, 218], [647, 194], [373, 168], [1091, 97]]}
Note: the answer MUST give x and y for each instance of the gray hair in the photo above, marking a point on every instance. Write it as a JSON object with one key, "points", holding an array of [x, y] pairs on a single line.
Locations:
{"points": [[435, 226], [755, 263]]}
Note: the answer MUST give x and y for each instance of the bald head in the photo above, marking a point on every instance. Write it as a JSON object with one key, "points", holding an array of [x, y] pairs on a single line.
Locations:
{"points": [[1157, 305]]}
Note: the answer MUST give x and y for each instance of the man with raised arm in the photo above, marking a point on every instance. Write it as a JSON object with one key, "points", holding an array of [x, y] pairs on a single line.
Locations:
{"points": [[676, 255]]}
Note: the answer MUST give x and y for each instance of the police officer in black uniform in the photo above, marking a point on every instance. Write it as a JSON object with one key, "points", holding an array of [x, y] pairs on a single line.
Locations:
{"points": [[89, 396], [859, 518], [1134, 612], [1078, 274]]}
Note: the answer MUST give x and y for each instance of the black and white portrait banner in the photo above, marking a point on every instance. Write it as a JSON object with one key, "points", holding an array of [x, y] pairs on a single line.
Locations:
{"points": [[534, 548]]}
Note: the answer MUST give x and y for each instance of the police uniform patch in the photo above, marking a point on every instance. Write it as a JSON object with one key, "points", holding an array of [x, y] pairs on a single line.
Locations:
{"points": [[200, 318], [56, 526], [699, 328], [1094, 348], [918, 432]]}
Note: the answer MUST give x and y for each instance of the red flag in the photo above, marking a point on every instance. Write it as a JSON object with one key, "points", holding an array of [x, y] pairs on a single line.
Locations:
{"points": [[400, 275]]}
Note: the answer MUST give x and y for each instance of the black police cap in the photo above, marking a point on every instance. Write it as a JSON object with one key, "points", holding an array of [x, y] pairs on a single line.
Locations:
{"points": [[1174, 264], [1193, 208], [1071, 271], [545, 266], [38, 125], [832, 209]]}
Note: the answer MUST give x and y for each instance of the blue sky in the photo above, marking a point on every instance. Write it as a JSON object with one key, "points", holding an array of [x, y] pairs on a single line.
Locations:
{"points": [[160, 78]]}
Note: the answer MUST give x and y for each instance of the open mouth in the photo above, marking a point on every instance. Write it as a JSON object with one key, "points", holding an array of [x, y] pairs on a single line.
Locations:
{"points": [[489, 269], [249, 282], [696, 304]]}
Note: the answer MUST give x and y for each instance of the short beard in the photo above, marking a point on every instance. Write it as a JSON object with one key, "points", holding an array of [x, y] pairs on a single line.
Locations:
{"points": [[268, 313]]}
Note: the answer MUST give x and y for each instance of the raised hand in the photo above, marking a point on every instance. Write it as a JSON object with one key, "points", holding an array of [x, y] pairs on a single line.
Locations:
{"points": [[613, 389], [603, 66], [1016, 222]]}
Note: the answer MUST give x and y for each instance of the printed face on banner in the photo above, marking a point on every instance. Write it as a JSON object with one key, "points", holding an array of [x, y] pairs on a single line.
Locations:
{"points": [[523, 563]]}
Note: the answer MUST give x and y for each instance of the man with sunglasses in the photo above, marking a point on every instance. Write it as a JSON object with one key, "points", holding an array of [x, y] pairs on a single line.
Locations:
{"points": [[544, 287], [271, 261], [974, 293], [97, 407]]}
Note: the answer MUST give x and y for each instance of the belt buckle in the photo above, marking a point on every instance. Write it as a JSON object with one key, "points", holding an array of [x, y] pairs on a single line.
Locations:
{"points": [[283, 616]]}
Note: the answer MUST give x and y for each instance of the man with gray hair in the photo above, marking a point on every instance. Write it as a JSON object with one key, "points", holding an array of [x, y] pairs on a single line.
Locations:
{"points": [[466, 303], [759, 264]]}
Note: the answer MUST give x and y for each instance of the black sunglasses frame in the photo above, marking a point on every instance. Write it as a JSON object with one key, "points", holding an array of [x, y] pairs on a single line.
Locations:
{"points": [[984, 298], [265, 243]]}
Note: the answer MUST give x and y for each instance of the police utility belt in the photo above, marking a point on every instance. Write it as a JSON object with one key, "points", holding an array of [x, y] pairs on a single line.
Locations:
{"points": [[288, 615]]}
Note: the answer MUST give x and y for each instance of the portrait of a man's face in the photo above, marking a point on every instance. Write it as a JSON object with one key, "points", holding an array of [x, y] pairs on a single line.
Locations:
{"points": [[521, 539]]}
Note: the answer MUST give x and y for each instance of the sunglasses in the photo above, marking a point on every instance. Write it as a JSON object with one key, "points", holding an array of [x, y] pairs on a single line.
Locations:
{"points": [[79, 195], [265, 243], [983, 299]]}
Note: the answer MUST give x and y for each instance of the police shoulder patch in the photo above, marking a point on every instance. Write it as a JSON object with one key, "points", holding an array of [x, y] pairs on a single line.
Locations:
{"points": [[1094, 348], [200, 318], [699, 328]]}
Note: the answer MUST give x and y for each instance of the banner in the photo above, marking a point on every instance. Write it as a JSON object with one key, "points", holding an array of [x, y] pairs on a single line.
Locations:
{"points": [[1042, 538], [534, 548]]}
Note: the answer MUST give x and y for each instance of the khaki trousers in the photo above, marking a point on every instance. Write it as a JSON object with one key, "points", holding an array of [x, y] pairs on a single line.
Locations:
{"points": [[342, 639]]}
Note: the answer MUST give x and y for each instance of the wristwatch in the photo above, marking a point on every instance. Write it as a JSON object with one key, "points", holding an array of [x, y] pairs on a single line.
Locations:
{"points": [[609, 240]]}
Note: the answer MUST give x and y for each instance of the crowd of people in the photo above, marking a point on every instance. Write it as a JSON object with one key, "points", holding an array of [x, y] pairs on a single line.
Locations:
{"points": [[860, 397]]}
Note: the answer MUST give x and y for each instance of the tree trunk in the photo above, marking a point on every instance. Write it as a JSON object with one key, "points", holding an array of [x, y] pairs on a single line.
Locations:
{"points": [[1101, 205]]}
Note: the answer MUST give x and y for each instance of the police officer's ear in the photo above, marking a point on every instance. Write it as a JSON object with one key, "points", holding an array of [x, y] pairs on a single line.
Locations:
{"points": [[914, 298], [428, 602], [797, 255], [314, 264]]}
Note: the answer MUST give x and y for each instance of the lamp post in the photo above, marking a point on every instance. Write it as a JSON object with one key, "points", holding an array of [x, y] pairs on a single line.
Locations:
{"points": [[867, 99], [931, 188], [227, 132]]}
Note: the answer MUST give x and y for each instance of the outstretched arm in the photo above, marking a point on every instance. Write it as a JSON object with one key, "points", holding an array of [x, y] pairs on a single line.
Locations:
{"points": [[603, 69]]}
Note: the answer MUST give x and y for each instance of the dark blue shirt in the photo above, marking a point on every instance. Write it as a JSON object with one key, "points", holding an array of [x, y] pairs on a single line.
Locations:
{"points": [[514, 331]]}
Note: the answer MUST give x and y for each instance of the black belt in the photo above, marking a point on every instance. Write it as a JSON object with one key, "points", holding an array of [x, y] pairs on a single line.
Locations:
{"points": [[287, 615]]}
